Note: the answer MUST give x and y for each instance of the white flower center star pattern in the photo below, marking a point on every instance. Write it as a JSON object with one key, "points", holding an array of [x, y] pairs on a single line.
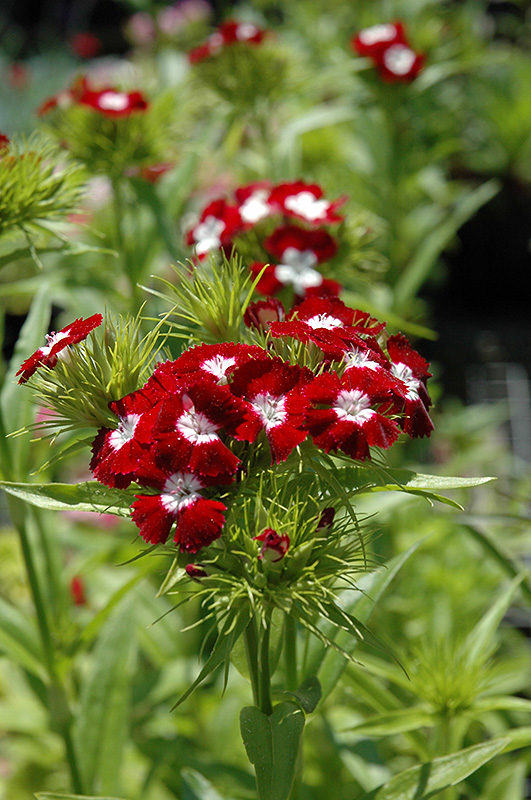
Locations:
{"points": [[306, 205], [270, 409], [353, 406], [377, 33], [218, 367], [207, 234], [113, 101], [180, 489], [196, 427], [404, 373], [297, 269], [324, 321], [124, 432], [398, 58]]}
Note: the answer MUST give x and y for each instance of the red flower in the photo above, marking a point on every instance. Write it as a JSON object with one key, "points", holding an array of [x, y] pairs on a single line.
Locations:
{"points": [[275, 403], [298, 251], [262, 313], [188, 426], [274, 545], [4, 142], [77, 591], [229, 33], [328, 323], [108, 101], [398, 63], [411, 372], [47, 356], [253, 201], [349, 420], [85, 44], [198, 520], [372, 41], [119, 455], [215, 362], [217, 225], [304, 201]]}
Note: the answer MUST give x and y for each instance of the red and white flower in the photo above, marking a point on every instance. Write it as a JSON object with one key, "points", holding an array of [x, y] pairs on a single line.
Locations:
{"points": [[217, 225], [215, 362], [298, 252], [305, 201], [189, 424], [108, 101], [253, 201], [48, 355], [261, 313], [344, 416], [275, 403], [198, 520], [398, 63], [121, 455], [228, 33], [373, 40], [411, 371]]}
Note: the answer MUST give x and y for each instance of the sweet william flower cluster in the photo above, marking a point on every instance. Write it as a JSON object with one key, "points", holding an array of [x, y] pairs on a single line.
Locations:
{"points": [[322, 376], [288, 225]]}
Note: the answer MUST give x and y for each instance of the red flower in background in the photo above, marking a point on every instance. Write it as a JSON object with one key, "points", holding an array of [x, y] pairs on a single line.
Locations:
{"points": [[217, 225], [85, 44], [55, 342], [4, 142], [305, 201], [107, 101], [228, 33], [388, 47], [374, 40]]}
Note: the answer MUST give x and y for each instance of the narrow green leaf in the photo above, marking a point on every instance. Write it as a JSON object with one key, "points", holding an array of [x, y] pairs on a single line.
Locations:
{"points": [[103, 717], [55, 796], [221, 651], [272, 746], [503, 703], [480, 641], [19, 639], [400, 721], [87, 496], [197, 787], [493, 548], [308, 694], [426, 780]]}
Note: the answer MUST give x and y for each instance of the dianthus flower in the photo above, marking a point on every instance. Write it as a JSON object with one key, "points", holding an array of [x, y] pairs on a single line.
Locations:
{"points": [[275, 403], [305, 201], [253, 202], [274, 545], [4, 142], [350, 415], [107, 101], [216, 227], [228, 33], [55, 342], [214, 362], [298, 252], [390, 51], [198, 520], [411, 370], [372, 41]]}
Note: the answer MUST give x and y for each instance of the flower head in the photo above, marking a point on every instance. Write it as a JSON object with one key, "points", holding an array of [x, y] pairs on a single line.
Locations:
{"points": [[228, 33], [305, 201], [56, 342], [387, 45]]}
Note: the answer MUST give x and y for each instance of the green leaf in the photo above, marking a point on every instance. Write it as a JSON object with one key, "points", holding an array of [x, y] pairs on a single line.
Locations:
{"points": [[87, 496], [480, 642], [227, 637], [426, 780], [400, 721], [308, 694], [197, 787], [19, 639], [102, 721], [272, 745], [54, 796]]}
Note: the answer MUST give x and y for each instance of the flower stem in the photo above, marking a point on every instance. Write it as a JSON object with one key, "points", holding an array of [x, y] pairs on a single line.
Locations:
{"points": [[251, 651], [264, 674], [290, 652]]}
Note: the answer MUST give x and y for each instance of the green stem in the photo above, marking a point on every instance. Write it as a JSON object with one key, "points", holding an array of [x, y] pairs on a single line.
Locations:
{"points": [[251, 651], [264, 673], [290, 652], [444, 747]]}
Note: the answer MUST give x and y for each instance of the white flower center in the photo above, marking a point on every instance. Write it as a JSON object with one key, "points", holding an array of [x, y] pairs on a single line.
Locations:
{"points": [[113, 101], [180, 489], [124, 432], [398, 58], [270, 409], [306, 205], [377, 33], [359, 358], [218, 366], [297, 269], [405, 374], [52, 339], [207, 234], [255, 207], [324, 321], [197, 428], [352, 405], [246, 30]]}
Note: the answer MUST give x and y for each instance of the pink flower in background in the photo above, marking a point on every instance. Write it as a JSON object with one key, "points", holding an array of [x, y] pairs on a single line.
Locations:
{"points": [[55, 342]]}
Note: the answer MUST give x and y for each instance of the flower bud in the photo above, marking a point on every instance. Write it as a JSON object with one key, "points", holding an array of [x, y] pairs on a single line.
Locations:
{"points": [[274, 545], [195, 572], [261, 313]]}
